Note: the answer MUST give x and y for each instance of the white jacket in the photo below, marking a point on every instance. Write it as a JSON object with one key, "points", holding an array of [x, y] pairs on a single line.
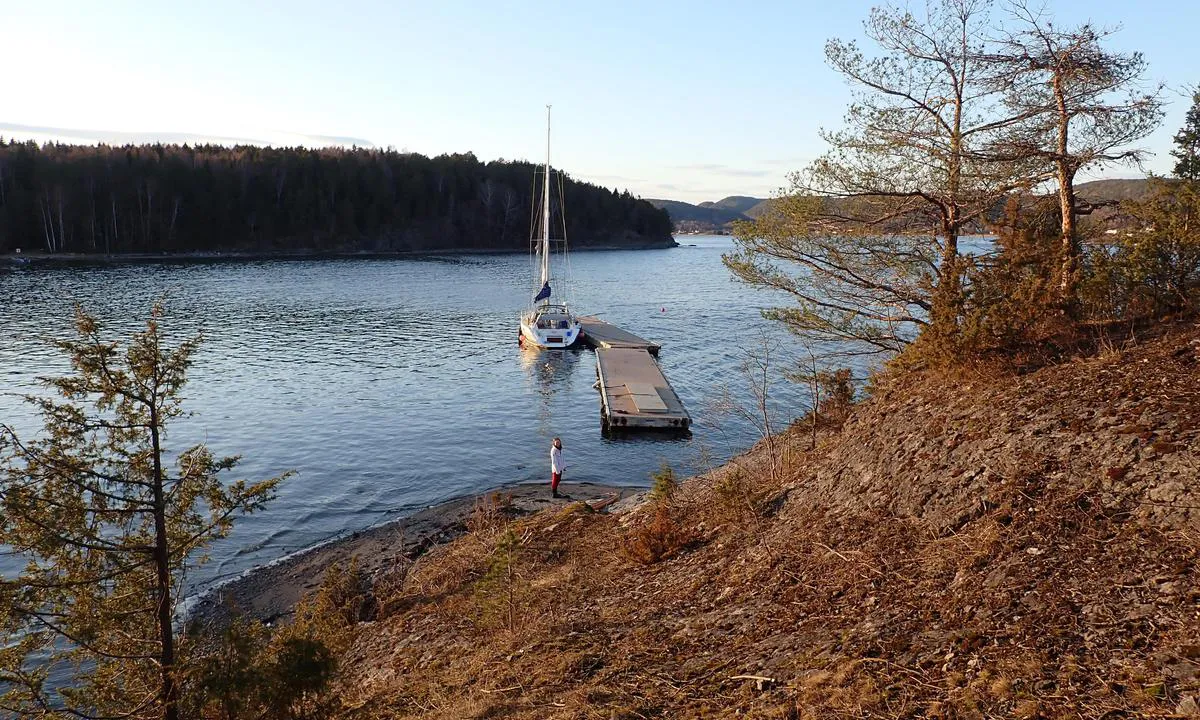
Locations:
{"points": [[556, 460]]}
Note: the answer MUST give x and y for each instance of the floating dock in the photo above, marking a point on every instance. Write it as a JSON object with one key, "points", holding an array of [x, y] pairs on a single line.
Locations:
{"points": [[634, 392], [600, 334]]}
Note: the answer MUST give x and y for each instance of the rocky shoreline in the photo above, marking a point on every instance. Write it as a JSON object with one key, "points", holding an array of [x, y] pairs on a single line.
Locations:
{"points": [[270, 592]]}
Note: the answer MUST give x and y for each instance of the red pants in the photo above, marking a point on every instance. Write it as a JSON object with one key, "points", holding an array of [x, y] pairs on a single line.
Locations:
{"points": [[555, 478]]}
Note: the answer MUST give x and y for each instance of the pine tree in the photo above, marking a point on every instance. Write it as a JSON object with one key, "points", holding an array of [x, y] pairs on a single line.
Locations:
{"points": [[1187, 143], [106, 530], [1085, 106], [871, 228]]}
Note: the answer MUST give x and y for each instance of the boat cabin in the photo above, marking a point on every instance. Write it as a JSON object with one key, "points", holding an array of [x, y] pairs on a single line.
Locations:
{"points": [[551, 317]]}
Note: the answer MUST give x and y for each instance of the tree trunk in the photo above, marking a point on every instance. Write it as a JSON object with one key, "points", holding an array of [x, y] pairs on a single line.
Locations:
{"points": [[150, 246], [168, 692], [52, 239], [174, 217], [92, 205], [108, 240], [1068, 245], [947, 299], [45, 227], [141, 217], [62, 231], [511, 208]]}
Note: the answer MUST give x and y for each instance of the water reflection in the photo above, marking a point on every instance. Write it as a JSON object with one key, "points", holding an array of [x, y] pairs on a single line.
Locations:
{"points": [[549, 374], [550, 370]]}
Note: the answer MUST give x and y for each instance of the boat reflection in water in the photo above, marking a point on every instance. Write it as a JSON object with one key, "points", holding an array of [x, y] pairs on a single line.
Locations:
{"points": [[550, 370], [550, 374]]}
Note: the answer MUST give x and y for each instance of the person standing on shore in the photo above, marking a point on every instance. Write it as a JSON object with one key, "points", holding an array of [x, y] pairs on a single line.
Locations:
{"points": [[556, 466]]}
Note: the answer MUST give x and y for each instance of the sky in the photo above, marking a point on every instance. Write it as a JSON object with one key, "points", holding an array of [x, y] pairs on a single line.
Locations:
{"points": [[688, 101]]}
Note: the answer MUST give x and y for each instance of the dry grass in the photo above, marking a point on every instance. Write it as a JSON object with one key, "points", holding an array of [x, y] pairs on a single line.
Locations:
{"points": [[492, 514]]}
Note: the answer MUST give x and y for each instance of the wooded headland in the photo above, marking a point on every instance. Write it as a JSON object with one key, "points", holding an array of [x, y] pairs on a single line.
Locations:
{"points": [[180, 199]]}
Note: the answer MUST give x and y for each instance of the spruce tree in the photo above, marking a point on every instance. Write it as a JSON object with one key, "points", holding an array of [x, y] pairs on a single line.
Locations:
{"points": [[1187, 143], [105, 530]]}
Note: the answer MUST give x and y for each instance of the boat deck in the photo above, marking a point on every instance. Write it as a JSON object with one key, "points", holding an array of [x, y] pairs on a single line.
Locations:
{"points": [[600, 334], [634, 392]]}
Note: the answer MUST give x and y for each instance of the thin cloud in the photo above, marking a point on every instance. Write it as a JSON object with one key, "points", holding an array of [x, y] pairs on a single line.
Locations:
{"points": [[45, 133], [794, 163], [327, 140], [606, 179], [718, 169]]}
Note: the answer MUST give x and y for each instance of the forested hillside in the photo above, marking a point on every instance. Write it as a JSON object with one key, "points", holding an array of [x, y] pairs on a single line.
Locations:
{"points": [[181, 199], [719, 216], [735, 203], [706, 217], [714, 217]]}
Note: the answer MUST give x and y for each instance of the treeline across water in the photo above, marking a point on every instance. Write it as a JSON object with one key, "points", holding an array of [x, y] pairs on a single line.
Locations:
{"points": [[179, 199]]}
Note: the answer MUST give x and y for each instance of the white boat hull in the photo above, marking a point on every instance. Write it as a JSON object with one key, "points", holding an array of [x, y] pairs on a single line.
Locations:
{"points": [[550, 337]]}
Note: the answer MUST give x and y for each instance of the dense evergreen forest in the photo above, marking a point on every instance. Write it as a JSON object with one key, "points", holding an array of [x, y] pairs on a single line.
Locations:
{"points": [[182, 199]]}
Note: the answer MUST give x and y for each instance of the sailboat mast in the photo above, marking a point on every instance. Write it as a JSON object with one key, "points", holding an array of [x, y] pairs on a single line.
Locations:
{"points": [[546, 209]]}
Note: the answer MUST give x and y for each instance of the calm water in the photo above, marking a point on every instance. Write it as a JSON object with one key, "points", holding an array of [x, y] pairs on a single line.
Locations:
{"points": [[389, 385]]}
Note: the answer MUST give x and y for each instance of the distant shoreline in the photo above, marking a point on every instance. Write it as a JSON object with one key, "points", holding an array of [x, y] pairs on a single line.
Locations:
{"points": [[23, 259]]}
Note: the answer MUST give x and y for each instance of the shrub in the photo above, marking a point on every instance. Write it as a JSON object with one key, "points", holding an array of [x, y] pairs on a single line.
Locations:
{"points": [[248, 672], [229, 680], [1011, 300], [1143, 270], [298, 676], [662, 491], [736, 497], [344, 599], [837, 395], [1159, 259], [500, 593], [490, 513], [831, 397], [659, 538]]}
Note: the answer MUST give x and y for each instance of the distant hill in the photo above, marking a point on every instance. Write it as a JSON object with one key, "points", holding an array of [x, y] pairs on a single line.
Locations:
{"points": [[734, 203], [1124, 189], [711, 217], [1105, 194], [757, 210], [718, 217]]}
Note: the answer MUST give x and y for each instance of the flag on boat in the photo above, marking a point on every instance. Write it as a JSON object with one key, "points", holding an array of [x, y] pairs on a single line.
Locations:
{"points": [[543, 293]]}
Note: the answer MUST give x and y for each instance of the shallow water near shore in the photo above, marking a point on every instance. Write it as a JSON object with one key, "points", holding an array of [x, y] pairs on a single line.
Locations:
{"points": [[392, 384]]}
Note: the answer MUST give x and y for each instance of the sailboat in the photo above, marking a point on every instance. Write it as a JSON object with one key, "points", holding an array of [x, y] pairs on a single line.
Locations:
{"points": [[548, 324]]}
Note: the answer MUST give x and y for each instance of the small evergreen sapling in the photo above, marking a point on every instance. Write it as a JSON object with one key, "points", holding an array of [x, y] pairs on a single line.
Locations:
{"points": [[106, 530]]}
